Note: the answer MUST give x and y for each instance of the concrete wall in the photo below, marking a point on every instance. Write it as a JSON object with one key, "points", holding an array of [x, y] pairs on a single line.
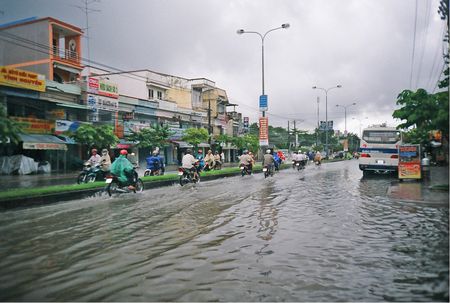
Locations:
{"points": [[37, 32]]}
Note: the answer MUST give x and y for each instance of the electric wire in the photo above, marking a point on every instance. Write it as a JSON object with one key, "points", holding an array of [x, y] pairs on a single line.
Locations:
{"points": [[413, 46], [424, 45]]}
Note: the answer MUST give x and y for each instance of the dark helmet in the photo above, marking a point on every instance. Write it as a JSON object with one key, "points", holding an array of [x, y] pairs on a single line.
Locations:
{"points": [[124, 152], [188, 151]]}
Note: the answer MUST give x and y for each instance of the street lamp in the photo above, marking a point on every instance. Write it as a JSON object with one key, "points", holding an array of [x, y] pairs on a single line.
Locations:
{"points": [[241, 31], [326, 112], [345, 114]]}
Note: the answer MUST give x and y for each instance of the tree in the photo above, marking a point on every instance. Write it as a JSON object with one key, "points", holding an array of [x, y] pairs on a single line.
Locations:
{"points": [[155, 136], [195, 136], [422, 113], [9, 129], [101, 136], [248, 141]]}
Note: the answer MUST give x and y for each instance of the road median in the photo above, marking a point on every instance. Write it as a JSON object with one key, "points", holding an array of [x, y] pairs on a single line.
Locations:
{"points": [[24, 197]]}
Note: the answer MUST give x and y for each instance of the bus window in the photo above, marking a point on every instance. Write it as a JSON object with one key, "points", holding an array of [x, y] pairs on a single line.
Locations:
{"points": [[382, 137]]}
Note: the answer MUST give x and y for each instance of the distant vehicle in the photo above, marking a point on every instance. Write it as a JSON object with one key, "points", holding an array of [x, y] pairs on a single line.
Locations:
{"points": [[379, 149]]}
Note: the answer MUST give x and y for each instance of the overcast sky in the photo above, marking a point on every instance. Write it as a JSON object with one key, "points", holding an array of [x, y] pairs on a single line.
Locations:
{"points": [[364, 45]]}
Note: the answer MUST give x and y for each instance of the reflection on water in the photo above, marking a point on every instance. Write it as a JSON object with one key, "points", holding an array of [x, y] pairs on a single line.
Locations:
{"points": [[320, 235]]}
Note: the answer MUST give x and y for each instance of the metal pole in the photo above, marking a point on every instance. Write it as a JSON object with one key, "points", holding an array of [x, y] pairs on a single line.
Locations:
{"points": [[326, 122], [345, 119], [262, 67], [317, 133], [209, 121]]}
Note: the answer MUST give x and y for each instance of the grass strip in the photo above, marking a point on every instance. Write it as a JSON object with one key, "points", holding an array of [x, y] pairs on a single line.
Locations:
{"points": [[53, 189]]}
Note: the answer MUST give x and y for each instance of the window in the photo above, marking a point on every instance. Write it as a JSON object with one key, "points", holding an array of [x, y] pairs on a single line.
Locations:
{"points": [[384, 137], [159, 95], [150, 94]]}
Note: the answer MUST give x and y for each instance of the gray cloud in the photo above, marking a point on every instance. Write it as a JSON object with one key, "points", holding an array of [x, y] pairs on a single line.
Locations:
{"points": [[365, 45]]}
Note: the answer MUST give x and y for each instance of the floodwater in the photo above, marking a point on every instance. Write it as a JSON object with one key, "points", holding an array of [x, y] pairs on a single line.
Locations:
{"points": [[324, 234]]}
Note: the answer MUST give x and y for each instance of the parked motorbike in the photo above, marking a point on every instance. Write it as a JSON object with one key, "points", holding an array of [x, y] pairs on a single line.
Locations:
{"points": [[187, 176], [245, 169], [267, 171], [114, 185]]}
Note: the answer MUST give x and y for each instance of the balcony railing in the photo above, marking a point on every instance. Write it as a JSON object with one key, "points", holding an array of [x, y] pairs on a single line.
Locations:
{"points": [[66, 54]]}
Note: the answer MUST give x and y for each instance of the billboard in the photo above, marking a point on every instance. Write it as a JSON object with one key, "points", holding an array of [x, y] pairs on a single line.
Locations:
{"points": [[22, 79], [263, 131]]}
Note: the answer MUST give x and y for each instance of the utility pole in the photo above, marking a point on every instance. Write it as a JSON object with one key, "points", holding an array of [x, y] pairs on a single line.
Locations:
{"points": [[317, 132], [209, 122], [88, 10], [289, 138], [296, 136]]}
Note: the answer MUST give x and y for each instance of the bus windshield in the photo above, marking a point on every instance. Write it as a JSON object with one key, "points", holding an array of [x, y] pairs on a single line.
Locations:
{"points": [[379, 136]]}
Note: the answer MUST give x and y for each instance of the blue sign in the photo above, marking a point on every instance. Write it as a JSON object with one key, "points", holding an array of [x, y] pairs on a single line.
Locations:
{"points": [[263, 102]]}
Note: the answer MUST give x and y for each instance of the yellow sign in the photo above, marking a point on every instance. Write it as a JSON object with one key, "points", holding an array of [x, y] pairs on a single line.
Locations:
{"points": [[21, 79], [35, 126]]}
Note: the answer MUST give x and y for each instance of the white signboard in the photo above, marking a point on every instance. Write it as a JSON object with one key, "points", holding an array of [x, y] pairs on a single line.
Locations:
{"points": [[104, 103]]}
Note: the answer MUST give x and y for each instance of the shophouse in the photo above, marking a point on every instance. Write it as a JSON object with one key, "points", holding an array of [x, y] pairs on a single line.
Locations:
{"points": [[40, 63]]}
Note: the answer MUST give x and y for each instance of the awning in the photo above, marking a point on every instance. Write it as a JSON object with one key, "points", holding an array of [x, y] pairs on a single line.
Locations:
{"points": [[67, 68], [66, 139], [182, 144], [43, 142], [72, 105], [203, 145]]}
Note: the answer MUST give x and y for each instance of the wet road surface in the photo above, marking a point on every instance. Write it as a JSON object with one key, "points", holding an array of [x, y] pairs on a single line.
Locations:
{"points": [[325, 234]]}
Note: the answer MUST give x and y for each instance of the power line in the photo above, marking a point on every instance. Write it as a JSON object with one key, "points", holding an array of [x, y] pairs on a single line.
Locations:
{"points": [[424, 45], [413, 46]]}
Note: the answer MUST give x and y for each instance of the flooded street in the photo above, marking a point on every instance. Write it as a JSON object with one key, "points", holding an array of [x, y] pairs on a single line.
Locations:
{"points": [[325, 234]]}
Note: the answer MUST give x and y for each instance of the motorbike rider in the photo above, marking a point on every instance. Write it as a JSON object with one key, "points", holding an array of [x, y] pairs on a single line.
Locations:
{"points": [[105, 161], [294, 159], [188, 161], [201, 160], [154, 162], [217, 160], [246, 160], [318, 158], [123, 169], [209, 159], [268, 160], [277, 161], [95, 158]]}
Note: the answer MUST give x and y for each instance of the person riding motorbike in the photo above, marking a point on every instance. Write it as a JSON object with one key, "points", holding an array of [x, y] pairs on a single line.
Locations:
{"points": [[268, 160], [247, 160], [201, 161], [105, 161], [123, 169], [95, 158], [318, 158], [217, 161], [209, 160], [188, 161], [277, 161], [294, 159], [154, 162]]}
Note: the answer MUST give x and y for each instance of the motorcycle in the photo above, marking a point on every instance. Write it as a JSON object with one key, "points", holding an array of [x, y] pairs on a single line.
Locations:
{"points": [[267, 171], [187, 176], [245, 169], [294, 164], [152, 172], [114, 185]]}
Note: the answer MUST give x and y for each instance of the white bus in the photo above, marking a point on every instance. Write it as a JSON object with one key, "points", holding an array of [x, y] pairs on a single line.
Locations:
{"points": [[379, 149]]}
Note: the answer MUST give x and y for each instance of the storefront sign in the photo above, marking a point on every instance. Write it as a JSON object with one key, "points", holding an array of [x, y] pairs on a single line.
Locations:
{"points": [[62, 126], [263, 131], [22, 79], [104, 103], [130, 127], [46, 146], [35, 126], [102, 87], [409, 162], [57, 114]]}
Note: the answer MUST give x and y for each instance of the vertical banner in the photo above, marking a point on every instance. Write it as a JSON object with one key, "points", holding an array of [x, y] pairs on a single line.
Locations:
{"points": [[263, 103], [263, 131], [409, 162]]}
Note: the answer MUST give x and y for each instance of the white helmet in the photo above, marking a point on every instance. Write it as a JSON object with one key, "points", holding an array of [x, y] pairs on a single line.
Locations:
{"points": [[268, 151]]}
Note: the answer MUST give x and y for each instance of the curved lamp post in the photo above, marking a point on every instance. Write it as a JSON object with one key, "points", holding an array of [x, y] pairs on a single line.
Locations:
{"points": [[326, 112], [262, 36], [345, 114]]}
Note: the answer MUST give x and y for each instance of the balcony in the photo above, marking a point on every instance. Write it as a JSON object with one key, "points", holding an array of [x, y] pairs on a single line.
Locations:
{"points": [[66, 55]]}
